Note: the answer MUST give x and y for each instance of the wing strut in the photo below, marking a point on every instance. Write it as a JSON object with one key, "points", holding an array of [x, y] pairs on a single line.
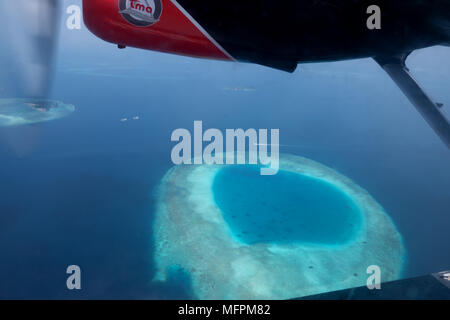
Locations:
{"points": [[396, 68]]}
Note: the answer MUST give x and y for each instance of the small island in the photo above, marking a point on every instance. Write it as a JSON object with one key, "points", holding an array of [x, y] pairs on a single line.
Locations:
{"points": [[15, 112]]}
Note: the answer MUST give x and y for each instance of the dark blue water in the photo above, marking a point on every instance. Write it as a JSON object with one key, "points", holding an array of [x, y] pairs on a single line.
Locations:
{"points": [[284, 208]]}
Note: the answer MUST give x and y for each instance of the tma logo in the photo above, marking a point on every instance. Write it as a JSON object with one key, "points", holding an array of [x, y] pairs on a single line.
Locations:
{"points": [[141, 13]]}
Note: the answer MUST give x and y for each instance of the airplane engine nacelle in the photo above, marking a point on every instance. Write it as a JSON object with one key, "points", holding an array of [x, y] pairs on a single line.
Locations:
{"points": [[160, 25]]}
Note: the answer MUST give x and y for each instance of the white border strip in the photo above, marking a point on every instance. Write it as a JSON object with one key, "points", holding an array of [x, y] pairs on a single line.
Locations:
{"points": [[199, 27]]}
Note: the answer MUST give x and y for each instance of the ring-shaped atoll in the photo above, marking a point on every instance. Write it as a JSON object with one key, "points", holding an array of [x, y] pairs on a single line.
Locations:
{"points": [[281, 256]]}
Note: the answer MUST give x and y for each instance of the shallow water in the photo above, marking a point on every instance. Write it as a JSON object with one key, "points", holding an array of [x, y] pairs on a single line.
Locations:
{"points": [[284, 208]]}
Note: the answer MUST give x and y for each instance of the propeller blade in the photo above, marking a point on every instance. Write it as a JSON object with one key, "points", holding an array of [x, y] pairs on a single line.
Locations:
{"points": [[28, 38]]}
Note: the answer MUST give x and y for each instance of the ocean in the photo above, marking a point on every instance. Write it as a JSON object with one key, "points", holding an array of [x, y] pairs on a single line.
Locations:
{"points": [[81, 190]]}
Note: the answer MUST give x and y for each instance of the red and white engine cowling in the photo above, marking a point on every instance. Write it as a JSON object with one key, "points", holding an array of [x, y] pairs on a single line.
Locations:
{"points": [[160, 25]]}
